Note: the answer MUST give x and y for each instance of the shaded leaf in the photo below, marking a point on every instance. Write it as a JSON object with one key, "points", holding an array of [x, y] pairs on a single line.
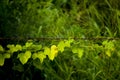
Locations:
{"points": [[18, 67]]}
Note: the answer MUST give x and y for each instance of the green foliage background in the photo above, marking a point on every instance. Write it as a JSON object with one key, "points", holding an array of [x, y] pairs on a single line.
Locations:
{"points": [[23, 19]]}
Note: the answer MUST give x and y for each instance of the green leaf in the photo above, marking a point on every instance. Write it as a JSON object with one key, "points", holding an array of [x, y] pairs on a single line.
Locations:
{"points": [[34, 56], [68, 42], [34, 47], [12, 48], [38, 47], [2, 59], [41, 56], [18, 47], [24, 57], [1, 48], [37, 64], [28, 44], [6, 55], [18, 67], [53, 53], [61, 46], [20, 55], [74, 50], [108, 53], [27, 54], [80, 53], [46, 50]]}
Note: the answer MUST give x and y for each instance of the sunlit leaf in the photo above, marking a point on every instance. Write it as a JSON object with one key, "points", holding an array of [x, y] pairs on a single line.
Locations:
{"points": [[53, 53], [1, 60]]}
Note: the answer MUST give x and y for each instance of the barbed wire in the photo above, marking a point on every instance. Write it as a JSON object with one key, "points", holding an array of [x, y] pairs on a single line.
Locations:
{"points": [[59, 38]]}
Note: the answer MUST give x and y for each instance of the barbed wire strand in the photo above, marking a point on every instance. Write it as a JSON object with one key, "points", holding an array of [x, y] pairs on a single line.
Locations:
{"points": [[55, 38]]}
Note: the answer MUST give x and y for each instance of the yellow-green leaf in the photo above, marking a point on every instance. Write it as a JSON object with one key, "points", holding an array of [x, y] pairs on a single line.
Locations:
{"points": [[108, 53], [1, 48], [18, 47], [75, 50], [23, 59], [1, 60], [12, 48], [46, 50], [27, 54], [34, 56], [6, 55], [28, 44], [61, 46], [68, 42], [53, 53], [41, 56], [80, 53]]}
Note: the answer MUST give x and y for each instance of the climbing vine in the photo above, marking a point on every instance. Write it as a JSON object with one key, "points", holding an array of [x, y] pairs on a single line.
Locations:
{"points": [[38, 51]]}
